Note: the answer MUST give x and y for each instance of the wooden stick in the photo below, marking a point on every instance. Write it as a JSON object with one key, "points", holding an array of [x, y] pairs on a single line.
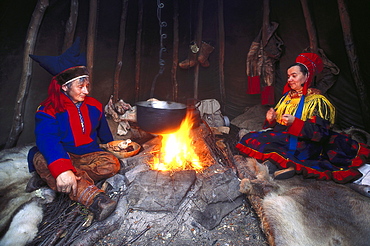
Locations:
{"points": [[310, 27], [121, 45], [71, 25], [175, 55], [29, 47], [221, 59], [199, 43], [138, 50], [353, 61], [91, 38]]}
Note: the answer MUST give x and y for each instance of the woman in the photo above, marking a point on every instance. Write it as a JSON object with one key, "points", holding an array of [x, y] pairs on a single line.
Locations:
{"points": [[298, 138], [68, 129]]}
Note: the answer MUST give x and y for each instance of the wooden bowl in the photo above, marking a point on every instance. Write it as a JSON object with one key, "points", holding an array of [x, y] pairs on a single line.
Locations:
{"points": [[123, 154]]}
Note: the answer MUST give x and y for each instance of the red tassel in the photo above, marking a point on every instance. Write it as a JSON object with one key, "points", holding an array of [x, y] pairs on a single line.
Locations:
{"points": [[254, 86], [268, 95], [53, 100]]}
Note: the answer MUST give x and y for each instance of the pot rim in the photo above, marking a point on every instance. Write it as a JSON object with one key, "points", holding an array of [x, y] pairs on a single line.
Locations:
{"points": [[161, 104]]}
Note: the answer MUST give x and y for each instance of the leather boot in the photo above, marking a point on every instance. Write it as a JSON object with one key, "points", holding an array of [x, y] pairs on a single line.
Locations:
{"points": [[272, 168], [102, 206], [284, 173], [204, 52], [190, 62], [35, 182]]}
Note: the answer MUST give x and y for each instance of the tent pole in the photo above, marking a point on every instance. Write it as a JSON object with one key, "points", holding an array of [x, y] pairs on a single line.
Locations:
{"points": [[91, 38], [29, 47], [71, 25], [138, 50], [121, 46], [221, 59], [310, 27], [353, 62], [199, 42]]}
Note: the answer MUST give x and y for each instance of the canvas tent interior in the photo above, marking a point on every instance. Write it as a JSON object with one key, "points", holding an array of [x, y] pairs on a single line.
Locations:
{"points": [[242, 23], [230, 27]]}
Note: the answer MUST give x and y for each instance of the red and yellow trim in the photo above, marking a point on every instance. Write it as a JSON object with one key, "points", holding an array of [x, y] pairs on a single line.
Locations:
{"points": [[340, 176]]}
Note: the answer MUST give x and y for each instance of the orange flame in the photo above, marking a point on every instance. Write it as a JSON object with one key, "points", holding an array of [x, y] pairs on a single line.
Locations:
{"points": [[177, 152]]}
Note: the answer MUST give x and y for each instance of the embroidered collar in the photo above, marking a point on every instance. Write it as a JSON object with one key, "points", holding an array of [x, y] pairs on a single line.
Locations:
{"points": [[295, 94]]}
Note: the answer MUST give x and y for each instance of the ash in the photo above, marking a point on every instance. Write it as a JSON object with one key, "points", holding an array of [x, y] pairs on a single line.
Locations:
{"points": [[204, 216]]}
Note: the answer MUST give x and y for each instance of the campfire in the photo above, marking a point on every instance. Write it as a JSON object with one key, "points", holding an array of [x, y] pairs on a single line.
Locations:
{"points": [[177, 150]]}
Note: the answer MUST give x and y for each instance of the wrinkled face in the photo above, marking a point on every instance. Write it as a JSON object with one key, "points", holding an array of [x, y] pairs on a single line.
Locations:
{"points": [[296, 78], [78, 89]]}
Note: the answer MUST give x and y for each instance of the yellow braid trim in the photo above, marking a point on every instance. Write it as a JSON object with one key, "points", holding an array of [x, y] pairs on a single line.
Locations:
{"points": [[314, 105]]}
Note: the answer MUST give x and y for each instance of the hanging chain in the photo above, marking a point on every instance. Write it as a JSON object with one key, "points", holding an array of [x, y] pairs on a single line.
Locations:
{"points": [[162, 48]]}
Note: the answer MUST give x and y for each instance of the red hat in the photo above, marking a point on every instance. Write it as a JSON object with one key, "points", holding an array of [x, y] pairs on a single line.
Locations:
{"points": [[314, 66]]}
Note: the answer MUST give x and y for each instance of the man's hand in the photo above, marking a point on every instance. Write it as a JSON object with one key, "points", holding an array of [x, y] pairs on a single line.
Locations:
{"points": [[67, 182]]}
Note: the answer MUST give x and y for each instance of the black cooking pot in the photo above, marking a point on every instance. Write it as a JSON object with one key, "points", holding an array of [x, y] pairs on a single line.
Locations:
{"points": [[160, 117]]}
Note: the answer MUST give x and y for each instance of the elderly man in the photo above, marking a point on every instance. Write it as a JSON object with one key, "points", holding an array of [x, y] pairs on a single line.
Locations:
{"points": [[69, 127]]}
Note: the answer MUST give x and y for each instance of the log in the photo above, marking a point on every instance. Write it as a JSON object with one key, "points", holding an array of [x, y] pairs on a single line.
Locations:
{"points": [[311, 30], [121, 45], [29, 47], [71, 25], [91, 32], [175, 55], [199, 42], [138, 50], [221, 59], [246, 171], [353, 62]]}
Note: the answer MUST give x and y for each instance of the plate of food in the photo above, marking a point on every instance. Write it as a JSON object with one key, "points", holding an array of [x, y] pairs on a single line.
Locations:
{"points": [[123, 148]]}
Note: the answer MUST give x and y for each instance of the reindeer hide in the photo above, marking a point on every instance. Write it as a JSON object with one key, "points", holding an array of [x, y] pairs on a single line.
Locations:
{"points": [[305, 212]]}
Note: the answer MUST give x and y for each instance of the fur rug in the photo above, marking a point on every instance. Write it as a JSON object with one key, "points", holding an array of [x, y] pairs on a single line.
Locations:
{"points": [[304, 212], [20, 212]]}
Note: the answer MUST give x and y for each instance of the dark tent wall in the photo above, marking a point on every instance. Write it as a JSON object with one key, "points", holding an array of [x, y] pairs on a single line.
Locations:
{"points": [[242, 21]]}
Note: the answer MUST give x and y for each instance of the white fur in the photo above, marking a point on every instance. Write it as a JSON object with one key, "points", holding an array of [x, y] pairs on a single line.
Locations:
{"points": [[23, 228], [14, 176], [24, 225]]}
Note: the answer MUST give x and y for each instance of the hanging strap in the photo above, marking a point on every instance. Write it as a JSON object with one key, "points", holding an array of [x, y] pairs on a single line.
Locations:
{"points": [[293, 140]]}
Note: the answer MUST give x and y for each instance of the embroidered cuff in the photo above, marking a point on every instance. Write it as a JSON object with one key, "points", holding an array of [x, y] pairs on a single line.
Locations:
{"points": [[296, 128], [59, 166]]}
